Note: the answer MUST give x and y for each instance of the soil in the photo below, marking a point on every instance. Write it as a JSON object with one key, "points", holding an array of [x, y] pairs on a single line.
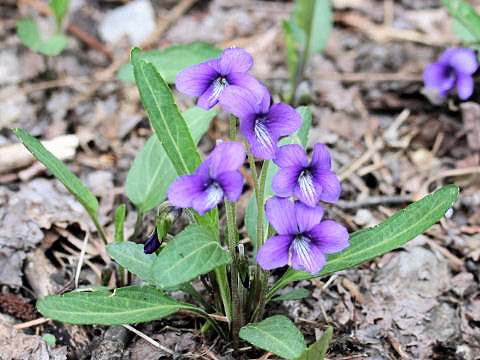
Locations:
{"points": [[392, 141]]}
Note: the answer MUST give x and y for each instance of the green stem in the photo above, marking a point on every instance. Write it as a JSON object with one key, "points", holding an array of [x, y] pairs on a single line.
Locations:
{"points": [[253, 170], [138, 226], [233, 127], [301, 66], [194, 309], [100, 230]]}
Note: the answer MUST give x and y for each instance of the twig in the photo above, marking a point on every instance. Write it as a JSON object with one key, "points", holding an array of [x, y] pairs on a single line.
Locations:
{"points": [[353, 289], [383, 200], [213, 316], [89, 40], [80, 260], [397, 346], [31, 323], [456, 262], [149, 339]]}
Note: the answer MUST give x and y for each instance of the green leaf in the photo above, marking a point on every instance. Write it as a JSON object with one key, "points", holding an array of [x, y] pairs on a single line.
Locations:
{"points": [[49, 339], [291, 51], [302, 136], [466, 36], [170, 61], [59, 8], [29, 35], [152, 171], [369, 243], [312, 21], [131, 256], [296, 294], [119, 221], [60, 171], [192, 252], [319, 348], [169, 125], [276, 334], [465, 14], [132, 304]]}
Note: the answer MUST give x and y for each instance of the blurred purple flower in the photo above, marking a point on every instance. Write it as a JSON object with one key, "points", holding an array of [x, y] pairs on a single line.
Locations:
{"points": [[152, 244], [216, 177], [308, 182], [301, 235], [454, 68], [207, 80], [261, 124]]}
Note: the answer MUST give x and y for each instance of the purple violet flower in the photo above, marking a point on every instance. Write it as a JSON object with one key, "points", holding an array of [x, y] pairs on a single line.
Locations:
{"points": [[308, 182], [207, 80], [152, 244], [261, 124], [302, 238], [216, 177], [454, 68]]}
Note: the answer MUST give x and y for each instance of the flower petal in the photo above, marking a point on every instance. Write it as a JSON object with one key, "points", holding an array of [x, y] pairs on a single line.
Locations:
{"points": [[227, 156], [307, 217], [330, 237], [283, 120], [331, 187], [239, 101], [209, 98], [291, 155], [196, 79], [248, 82], [464, 61], [306, 256], [184, 189], [281, 215], [263, 144], [464, 86], [434, 75], [284, 181], [235, 60], [308, 190], [152, 244], [321, 157], [208, 199], [446, 56], [232, 184], [275, 252]]}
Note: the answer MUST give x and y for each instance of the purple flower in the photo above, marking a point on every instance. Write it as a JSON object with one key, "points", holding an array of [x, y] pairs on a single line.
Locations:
{"points": [[454, 68], [216, 177], [261, 124], [207, 80], [302, 238], [152, 244], [308, 182]]}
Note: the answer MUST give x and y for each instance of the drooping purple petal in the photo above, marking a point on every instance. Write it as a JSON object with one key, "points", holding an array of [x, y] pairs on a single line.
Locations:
{"points": [[329, 237], [464, 86], [307, 190], [152, 244], [307, 217], [464, 61], [306, 256], [275, 252], [263, 143], [283, 120], [434, 74], [239, 101], [330, 185], [321, 157], [284, 181], [210, 96], [248, 82], [227, 156], [235, 60], [231, 183], [280, 213], [208, 199], [291, 155], [184, 189], [196, 79]]}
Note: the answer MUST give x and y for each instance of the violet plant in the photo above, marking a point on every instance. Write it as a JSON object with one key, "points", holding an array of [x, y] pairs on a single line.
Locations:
{"points": [[284, 219]]}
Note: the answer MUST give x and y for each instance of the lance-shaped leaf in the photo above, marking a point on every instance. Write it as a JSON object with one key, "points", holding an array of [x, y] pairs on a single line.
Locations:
{"points": [[119, 222], [276, 334], [132, 304], [465, 14], [152, 171], [369, 243], [60, 171], [192, 252]]}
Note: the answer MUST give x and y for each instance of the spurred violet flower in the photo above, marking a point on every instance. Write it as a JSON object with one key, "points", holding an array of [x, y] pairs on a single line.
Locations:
{"points": [[454, 68], [261, 124], [208, 79], [216, 177], [303, 239], [308, 182], [152, 244]]}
